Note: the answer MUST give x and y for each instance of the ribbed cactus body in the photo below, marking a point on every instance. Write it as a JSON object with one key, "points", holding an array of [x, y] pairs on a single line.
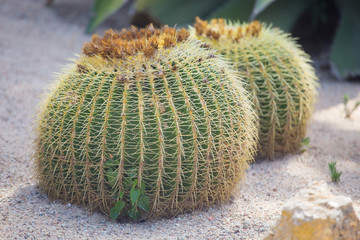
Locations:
{"points": [[278, 75], [176, 121]]}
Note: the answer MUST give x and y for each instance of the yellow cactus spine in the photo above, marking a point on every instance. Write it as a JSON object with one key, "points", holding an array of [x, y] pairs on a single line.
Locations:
{"points": [[278, 75], [145, 115]]}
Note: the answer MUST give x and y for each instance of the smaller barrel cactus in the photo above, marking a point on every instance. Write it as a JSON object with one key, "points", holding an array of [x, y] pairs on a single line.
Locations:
{"points": [[146, 122], [278, 75]]}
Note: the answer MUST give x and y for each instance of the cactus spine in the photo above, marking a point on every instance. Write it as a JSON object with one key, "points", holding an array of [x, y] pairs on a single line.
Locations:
{"points": [[278, 75], [147, 105]]}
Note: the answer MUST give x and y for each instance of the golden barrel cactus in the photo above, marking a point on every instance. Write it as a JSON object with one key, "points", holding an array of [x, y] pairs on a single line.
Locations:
{"points": [[146, 118], [277, 73]]}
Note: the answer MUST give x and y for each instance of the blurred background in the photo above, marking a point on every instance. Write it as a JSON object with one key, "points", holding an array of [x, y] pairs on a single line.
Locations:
{"points": [[329, 30]]}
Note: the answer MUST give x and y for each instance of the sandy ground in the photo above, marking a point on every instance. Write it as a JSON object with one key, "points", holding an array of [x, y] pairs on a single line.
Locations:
{"points": [[36, 41]]}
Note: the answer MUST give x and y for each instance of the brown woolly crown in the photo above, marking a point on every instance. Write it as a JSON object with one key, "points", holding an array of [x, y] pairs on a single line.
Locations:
{"points": [[217, 28], [129, 42]]}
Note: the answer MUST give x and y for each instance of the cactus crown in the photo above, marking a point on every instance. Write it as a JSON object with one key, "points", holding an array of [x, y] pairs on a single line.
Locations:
{"points": [[129, 42], [219, 28]]}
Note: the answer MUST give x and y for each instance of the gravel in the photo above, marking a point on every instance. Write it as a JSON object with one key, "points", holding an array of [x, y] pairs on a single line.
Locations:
{"points": [[36, 41]]}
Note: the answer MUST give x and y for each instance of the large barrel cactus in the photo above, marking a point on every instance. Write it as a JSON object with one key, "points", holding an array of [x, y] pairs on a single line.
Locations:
{"points": [[278, 75], [146, 122]]}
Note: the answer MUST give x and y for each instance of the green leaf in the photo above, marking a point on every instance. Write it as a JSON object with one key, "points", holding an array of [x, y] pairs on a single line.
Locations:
{"points": [[235, 10], [135, 182], [143, 203], [142, 188], [259, 6], [133, 213], [120, 205], [346, 48], [134, 195], [103, 9], [114, 213], [116, 210], [283, 13], [121, 194], [306, 141]]}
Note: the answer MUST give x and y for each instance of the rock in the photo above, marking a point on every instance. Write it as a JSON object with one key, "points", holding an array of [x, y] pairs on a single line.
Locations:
{"points": [[315, 213]]}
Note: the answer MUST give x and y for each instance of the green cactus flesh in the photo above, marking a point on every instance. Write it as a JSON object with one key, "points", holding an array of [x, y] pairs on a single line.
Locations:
{"points": [[278, 75], [164, 119]]}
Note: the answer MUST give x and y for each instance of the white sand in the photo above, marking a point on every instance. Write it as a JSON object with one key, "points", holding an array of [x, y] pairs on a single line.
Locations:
{"points": [[36, 41]]}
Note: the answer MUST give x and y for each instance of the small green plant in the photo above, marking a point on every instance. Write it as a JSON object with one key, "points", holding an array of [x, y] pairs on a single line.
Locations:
{"points": [[348, 111], [119, 206], [335, 175], [305, 144], [138, 201]]}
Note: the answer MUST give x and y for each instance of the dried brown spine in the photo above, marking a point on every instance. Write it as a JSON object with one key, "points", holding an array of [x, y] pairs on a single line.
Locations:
{"points": [[129, 42], [217, 29]]}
